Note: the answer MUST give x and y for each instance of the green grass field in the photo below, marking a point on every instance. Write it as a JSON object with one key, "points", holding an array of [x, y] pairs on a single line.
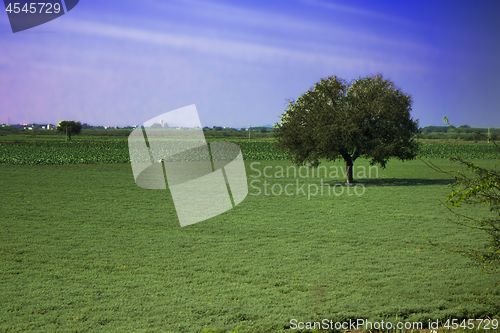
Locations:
{"points": [[83, 249]]}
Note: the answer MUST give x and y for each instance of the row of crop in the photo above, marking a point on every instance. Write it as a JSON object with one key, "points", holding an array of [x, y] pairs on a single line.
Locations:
{"points": [[90, 151], [57, 152], [93, 151], [464, 150]]}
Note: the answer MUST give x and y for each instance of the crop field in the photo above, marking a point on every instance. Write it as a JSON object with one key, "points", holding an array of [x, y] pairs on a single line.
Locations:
{"points": [[116, 151], [84, 249]]}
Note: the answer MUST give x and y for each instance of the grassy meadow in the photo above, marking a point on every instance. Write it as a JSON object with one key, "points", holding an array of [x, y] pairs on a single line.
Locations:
{"points": [[83, 249]]}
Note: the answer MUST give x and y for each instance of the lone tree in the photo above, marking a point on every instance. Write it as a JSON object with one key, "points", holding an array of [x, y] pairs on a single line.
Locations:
{"points": [[69, 127], [367, 118]]}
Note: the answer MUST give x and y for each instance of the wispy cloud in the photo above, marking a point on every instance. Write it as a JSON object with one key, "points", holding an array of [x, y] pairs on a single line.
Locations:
{"points": [[346, 46], [236, 51], [358, 11], [286, 26]]}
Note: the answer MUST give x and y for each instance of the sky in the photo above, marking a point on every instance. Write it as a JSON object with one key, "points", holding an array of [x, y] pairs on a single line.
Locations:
{"points": [[122, 62]]}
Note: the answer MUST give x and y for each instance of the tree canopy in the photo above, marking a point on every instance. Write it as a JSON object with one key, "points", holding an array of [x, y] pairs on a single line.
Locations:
{"points": [[367, 118], [69, 127]]}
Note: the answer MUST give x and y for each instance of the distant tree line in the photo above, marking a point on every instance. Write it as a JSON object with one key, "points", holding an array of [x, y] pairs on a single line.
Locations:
{"points": [[260, 129], [465, 132], [463, 129]]}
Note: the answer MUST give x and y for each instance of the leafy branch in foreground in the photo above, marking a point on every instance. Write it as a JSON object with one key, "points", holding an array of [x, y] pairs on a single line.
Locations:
{"points": [[480, 188]]}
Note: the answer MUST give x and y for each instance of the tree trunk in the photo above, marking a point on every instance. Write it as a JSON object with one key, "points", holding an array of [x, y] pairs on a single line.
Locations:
{"points": [[348, 167]]}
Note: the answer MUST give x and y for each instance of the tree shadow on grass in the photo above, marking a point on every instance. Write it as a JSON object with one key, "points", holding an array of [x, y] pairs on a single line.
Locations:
{"points": [[368, 182]]}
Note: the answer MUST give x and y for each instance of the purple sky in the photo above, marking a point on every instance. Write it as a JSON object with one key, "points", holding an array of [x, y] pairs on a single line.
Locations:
{"points": [[123, 62]]}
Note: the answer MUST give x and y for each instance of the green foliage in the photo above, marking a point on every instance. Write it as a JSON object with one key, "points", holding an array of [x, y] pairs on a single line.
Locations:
{"points": [[69, 127], [262, 150], [106, 132], [434, 129], [116, 151], [4, 130], [481, 186], [464, 150], [482, 189], [234, 135], [109, 151], [477, 136], [465, 128], [60, 152], [465, 134], [368, 118]]}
